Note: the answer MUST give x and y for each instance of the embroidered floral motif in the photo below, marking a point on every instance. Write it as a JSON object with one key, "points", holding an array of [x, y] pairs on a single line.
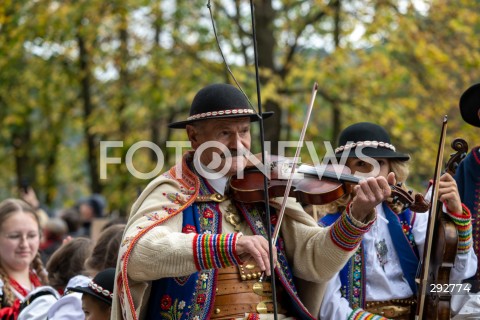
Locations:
{"points": [[352, 291], [208, 221], [153, 216], [175, 198], [201, 298], [181, 305], [169, 210], [166, 302], [189, 229], [187, 191], [172, 311], [207, 214], [407, 230], [126, 240]]}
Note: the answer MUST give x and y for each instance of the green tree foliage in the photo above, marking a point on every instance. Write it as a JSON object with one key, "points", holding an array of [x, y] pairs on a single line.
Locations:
{"points": [[75, 73]]}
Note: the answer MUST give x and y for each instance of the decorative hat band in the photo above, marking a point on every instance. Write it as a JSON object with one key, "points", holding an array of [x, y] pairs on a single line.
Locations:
{"points": [[373, 144], [220, 113], [95, 287]]}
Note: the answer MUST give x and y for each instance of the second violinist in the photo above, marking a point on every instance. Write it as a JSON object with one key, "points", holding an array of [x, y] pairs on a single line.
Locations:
{"points": [[379, 279]]}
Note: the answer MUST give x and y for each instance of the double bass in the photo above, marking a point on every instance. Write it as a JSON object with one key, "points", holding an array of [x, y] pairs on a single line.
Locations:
{"points": [[440, 246]]}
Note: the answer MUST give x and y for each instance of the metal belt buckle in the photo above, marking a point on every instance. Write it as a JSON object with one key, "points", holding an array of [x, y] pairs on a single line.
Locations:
{"points": [[262, 306], [259, 289], [393, 311]]}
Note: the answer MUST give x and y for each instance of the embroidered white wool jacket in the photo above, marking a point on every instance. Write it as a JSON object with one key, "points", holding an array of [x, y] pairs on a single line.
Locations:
{"points": [[316, 252]]}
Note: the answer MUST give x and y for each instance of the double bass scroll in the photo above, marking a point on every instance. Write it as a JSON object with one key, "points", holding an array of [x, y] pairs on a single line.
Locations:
{"points": [[461, 148]]}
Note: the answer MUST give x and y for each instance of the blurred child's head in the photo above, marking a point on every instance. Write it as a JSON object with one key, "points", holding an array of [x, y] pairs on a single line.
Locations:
{"points": [[98, 295], [68, 261], [105, 252]]}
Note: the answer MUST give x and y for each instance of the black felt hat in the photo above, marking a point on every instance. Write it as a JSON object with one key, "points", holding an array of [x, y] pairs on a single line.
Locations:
{"points": [[219, 101], [470, 105], [101, 287], [373, 139]]}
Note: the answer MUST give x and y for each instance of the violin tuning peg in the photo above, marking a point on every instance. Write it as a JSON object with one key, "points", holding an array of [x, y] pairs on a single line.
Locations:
{"points": [[395, 199], [410, 192], [399, 184]]}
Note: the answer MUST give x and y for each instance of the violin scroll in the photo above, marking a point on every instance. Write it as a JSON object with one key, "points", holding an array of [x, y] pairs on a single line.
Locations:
{"points": [[416, 202], [461, 148]]}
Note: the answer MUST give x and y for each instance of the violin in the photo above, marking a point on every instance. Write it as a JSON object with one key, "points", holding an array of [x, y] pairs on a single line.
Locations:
{"points": [[313, 185], [440, 247]]}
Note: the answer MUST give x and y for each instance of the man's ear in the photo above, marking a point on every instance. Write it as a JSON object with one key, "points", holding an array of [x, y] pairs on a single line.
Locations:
{"points": [[192, 135]]}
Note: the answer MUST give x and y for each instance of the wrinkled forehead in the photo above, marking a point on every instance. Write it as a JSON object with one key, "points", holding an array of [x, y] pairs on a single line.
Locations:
{"points": [[223, 123]]}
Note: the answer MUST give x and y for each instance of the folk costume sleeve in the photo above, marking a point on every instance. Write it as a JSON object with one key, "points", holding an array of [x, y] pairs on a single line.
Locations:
{"points": [[183, 250], [318, 253], [176, 258], [334, 306], [465, 263], [323, 251]]}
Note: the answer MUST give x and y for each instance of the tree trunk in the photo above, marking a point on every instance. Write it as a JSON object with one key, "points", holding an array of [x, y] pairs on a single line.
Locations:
{"points": [[336, 111], [24, 169], [264, 16], [86, 97], [123, 72]]}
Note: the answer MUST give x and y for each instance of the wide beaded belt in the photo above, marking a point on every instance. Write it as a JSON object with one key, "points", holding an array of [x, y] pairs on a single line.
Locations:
{"points": [[239, 292], [403, 309]]}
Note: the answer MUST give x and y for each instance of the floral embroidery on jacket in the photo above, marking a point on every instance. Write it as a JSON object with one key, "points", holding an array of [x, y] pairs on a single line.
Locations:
{"points": [[172, 309], [175, 197]]}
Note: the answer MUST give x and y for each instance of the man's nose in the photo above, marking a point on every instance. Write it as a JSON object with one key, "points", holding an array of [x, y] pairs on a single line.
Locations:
{"points": [[235, 142]]}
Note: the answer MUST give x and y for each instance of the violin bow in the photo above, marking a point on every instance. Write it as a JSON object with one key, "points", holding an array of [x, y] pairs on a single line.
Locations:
{"points": [[262, 141], [427, 251], [294, 164]]}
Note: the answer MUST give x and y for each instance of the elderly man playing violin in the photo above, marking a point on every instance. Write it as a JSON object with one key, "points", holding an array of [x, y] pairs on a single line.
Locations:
{"points": [[191, 252], [379, 279]]}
